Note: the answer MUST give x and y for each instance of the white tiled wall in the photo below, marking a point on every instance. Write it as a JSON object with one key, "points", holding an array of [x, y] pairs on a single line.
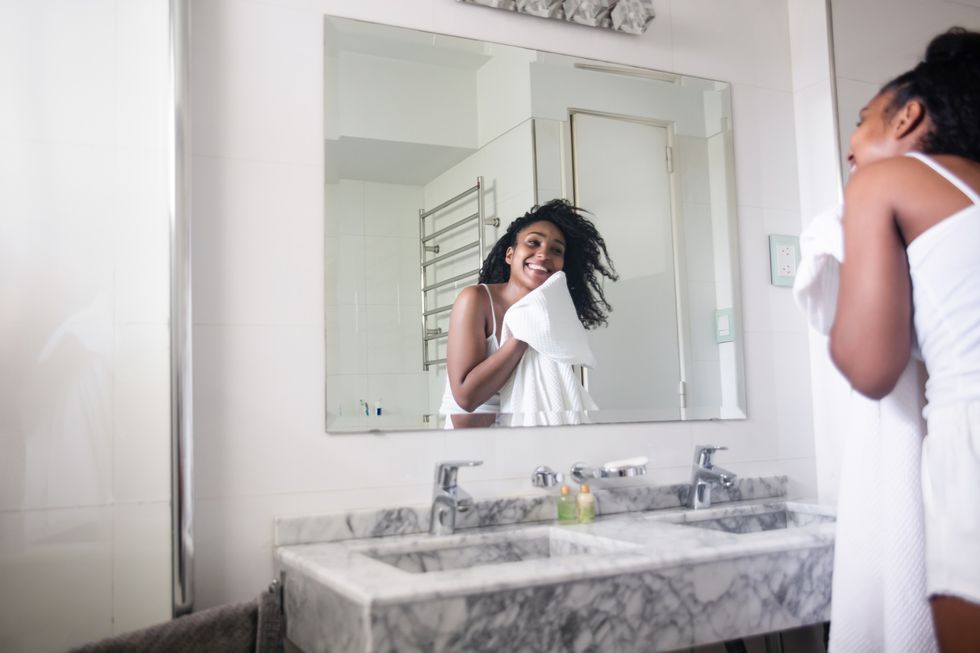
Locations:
{"points": [[371, 278], [259, 375], [84, 311], [819, 190]]}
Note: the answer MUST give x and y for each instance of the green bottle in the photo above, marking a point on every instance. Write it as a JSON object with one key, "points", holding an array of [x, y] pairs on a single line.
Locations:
{"points": [[567, 508]]}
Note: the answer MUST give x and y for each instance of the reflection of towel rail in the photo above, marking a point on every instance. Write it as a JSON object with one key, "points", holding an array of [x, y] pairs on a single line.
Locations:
{"points": [[472, 189], [451, 253], [427, 245], [441, 309], [458, 223], [446, 282]]}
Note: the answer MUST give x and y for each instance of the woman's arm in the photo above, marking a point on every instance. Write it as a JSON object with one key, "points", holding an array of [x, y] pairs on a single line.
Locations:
{"points": [[474, 377], [871, 339]]}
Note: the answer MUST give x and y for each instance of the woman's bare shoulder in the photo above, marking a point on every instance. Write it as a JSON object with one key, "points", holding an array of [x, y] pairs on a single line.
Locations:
{"points": [[471, 293], [472, 299], [904, 169], [886, 169], [963, 167], [889, 179], [904, 191], [471, 310]]}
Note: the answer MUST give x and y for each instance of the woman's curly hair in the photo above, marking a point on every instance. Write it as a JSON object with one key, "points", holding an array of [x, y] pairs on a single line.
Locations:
{"points": [[585, 258], [947, 82]]}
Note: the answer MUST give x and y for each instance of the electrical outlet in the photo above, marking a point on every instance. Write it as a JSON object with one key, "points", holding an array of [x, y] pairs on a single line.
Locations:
{"points": [[785, 260], [784, 257]]}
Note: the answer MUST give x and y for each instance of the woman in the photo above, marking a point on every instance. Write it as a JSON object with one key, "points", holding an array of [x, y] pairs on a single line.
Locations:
{"points": [[547, 239], [912, 247]]}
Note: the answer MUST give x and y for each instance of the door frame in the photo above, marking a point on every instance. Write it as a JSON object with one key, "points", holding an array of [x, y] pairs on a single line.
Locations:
{"points": [[676, 236]]}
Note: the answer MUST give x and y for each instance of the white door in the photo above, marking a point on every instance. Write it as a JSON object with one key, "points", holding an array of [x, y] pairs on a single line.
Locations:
{"points": [[621, 177]]}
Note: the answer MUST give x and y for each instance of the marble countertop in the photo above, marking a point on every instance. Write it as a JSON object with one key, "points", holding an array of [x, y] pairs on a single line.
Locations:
{"points": [[638, 542], [345, 599]]}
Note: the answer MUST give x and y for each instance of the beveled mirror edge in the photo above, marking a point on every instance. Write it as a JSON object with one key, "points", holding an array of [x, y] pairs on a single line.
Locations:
{"points": [[181, 320], [733, 245]]}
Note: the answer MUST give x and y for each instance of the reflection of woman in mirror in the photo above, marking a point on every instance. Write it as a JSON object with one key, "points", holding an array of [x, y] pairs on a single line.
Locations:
{"points": [[911, 237], [547, 239]]}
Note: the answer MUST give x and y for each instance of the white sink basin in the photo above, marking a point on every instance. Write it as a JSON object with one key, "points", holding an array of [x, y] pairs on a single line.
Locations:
{"points": [[461, 552], [754, 518]]}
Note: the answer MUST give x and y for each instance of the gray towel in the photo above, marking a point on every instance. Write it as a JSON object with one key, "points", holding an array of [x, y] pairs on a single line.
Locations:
{"points": [[249, 627]]}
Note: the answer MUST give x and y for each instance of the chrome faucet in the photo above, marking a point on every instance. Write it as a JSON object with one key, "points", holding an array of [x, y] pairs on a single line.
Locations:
{"points": [[705, 474], [448, 498], [582, 473]]}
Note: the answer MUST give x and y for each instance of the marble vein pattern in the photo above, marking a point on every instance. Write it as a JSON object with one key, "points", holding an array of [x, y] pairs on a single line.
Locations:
{"points": [[323, 615], [650, 611], [632, 581], [513, 510]]}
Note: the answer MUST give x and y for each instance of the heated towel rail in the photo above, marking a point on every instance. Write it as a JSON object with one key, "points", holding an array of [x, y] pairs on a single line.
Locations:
{"points": [[427, 245]]}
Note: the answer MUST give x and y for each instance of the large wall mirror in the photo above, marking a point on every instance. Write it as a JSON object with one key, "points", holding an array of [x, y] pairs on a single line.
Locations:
{"points": [[434, 144]]}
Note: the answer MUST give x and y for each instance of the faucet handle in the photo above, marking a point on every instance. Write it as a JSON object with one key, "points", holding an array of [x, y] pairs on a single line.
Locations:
{"points": [[704, 452], [446, 472], [544, 476], [629, 467]]}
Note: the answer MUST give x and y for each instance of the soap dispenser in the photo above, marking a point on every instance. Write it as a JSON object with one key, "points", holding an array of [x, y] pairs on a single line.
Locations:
{"points": [[567, 507], [586, 505]]}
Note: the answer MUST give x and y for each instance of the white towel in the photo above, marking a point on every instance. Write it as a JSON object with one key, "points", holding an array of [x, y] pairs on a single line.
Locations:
{"points": [[818, 274], [879, 593], [544, 388]]}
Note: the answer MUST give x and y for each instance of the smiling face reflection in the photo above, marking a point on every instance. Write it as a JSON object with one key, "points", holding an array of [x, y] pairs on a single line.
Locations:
{"points": [[539, 252]]}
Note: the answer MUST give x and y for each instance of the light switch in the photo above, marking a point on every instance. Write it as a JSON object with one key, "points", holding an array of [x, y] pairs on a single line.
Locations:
{"points": [[724, 325], [724, 328], [784, 258]]}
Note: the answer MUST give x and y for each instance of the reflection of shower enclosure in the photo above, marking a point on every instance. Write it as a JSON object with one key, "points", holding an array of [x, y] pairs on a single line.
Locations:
{"points": [[505, 165], [428, 244], [622, 176]]}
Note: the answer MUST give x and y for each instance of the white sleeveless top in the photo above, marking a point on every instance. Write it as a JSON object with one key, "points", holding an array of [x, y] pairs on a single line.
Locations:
{"points": [[492, 405], [944, 264]]}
